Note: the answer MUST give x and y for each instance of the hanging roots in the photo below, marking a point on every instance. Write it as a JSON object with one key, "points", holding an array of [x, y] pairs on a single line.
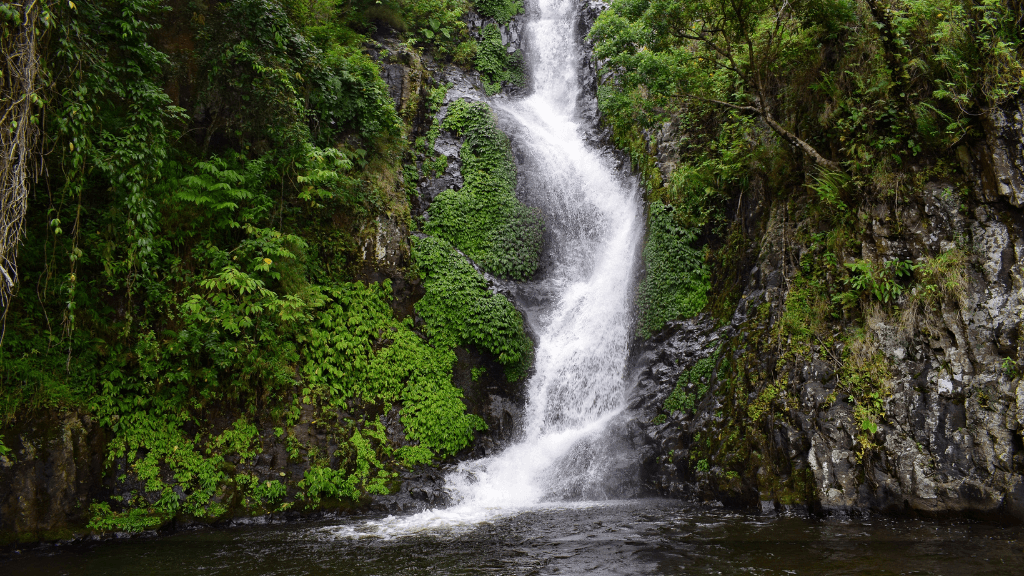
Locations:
{"points": [[18, 132]]}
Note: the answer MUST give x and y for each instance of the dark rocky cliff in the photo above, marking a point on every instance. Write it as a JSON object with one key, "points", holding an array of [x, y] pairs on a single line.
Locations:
{"points": [[778, 401], [776, 427]]}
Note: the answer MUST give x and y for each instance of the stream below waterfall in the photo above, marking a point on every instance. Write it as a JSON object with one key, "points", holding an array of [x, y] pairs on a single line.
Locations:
{"points": [[614, 537]]}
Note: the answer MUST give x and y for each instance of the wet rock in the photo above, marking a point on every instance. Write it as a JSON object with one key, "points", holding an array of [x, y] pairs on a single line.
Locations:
{"points": [[1002, 170], [421, 489], [949, 437], [50, 477]]}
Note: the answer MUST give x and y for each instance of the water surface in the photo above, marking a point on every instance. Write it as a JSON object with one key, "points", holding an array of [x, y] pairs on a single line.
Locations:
{"points": [[631, 537]]}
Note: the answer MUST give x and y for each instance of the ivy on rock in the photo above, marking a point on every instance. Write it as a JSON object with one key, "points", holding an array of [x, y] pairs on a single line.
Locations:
{"points": [[358, 349], [497, 66], [675, 283], [460, 309], [484, 219]]}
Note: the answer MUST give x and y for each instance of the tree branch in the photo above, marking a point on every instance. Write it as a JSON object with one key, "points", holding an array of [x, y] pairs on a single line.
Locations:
{"points": [[786, 135]]}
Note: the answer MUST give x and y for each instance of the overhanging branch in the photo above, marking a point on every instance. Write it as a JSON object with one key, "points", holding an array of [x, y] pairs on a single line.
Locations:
{"points": [[786, 135]]}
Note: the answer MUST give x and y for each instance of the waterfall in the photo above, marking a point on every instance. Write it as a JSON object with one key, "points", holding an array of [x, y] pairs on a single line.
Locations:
{"points": [[594, 216], [593, 213]]}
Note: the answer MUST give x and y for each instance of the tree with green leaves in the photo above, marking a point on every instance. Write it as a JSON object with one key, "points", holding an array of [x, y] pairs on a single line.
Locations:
{"points": [[732, 53]]}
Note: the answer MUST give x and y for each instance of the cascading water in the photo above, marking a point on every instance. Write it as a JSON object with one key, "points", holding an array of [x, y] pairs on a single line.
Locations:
{"points": [[593, 214]]}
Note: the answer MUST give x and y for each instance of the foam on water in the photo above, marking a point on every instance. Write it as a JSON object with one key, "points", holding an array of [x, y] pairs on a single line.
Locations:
{"points": [[593, 213]]}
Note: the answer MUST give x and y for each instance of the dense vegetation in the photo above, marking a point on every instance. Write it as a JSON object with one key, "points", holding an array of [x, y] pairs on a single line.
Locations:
{"points": [[769, 127], [839, 98], [205, 181]]}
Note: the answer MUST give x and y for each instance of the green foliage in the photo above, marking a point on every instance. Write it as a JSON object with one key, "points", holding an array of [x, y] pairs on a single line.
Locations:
{"points": [[700, 186], [808, 308], [367, 477], [762, 404], [497, 67], [437, 23], [866, 377], [971, 49], [358, 349], [1011, 368], [829, 186], [436, 417], [349, 93], [675, 283], [880, 280], [242, 439], [151, 445], [691, 386], [260, 494], [113, 122], [484, 219], [319, 482], [326, 175], [105, 519], [945, 274], [500, 10], [413, 455], [434, 164], [868, 426], [460, 309]]}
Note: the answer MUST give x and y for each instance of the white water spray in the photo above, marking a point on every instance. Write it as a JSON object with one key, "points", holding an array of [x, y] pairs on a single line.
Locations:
{"points": [[593, 213]]}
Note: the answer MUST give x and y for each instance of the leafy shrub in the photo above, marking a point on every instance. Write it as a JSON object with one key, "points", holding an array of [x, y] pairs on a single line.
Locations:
{"points": [[103, 518], [675, 282], [349, 94], [460, 309], [260, 494], [437, 23], [367, 475], [149, 444], [497, 67], [484, 218], [879, 280], [358, 349], [500, 10]]}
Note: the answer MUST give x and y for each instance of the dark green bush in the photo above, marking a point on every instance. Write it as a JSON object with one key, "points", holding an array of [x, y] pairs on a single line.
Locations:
{"points": [[459, 308]]}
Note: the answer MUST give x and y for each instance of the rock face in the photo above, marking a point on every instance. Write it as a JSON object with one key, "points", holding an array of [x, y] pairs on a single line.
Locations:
{"points": [[420, 489], [586, 13], [950, 408], [774, 424], [48, 479], [1002, 156]]}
